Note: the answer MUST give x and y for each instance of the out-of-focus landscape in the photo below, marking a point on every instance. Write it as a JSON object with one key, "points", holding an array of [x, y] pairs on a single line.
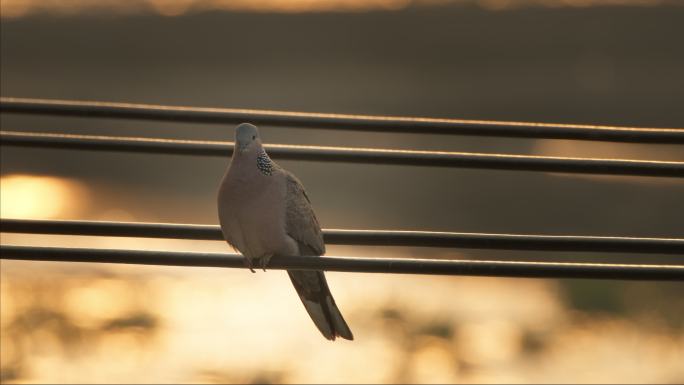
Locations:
{"points": [[569, 61]]}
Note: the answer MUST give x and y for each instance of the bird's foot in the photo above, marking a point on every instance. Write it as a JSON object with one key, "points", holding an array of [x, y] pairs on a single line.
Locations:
{"points": [[248, 264], [264, 261]]}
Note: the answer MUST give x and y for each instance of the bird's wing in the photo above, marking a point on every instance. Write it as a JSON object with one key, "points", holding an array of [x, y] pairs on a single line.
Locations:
{"points": [[312, 287], [301, 223]]}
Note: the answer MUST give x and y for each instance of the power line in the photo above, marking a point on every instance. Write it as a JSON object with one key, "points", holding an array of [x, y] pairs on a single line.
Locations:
{"points": [[360, 237], [89, 109], [359, 265], [353, 155]]}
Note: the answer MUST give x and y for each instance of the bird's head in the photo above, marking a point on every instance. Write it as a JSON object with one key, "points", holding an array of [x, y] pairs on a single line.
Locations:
{"points": [[246, 137]]}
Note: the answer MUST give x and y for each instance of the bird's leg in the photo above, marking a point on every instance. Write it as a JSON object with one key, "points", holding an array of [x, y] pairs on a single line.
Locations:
{"points": [[265, 260], [248, 264]]}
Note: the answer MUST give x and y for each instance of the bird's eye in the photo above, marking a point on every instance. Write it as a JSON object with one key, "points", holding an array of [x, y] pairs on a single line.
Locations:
{"points": [[253, 137]]}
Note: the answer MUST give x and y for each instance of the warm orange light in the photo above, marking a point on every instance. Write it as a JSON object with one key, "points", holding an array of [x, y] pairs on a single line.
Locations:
{"points": [[31, 196], [18, 8]]}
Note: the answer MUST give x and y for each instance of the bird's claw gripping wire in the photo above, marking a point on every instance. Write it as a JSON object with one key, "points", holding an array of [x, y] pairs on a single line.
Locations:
{"points": [[263, 262], [248, 264]]}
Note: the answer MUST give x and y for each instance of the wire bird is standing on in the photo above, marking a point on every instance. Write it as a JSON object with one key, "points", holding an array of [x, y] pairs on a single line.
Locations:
{"points": [[264, 212]]}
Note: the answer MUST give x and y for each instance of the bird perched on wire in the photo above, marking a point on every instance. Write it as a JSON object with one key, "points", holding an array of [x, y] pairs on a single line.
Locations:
{"points": [[264, 213]]}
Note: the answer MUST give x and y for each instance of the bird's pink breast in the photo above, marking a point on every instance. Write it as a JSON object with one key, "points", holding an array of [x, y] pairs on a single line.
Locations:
{"points": [[252, 214]]}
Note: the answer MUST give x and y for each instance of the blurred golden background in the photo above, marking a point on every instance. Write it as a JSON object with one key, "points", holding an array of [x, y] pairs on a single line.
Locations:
{"points": [[570, 61]]}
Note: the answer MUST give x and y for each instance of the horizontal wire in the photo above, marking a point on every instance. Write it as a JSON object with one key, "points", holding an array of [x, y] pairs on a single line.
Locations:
{"points": [[359, 237], [358, 265], [353, 155], [91, 109]]}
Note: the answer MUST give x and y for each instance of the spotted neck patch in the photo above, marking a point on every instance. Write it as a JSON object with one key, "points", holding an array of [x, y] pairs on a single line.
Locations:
{"points": [[264, 163]]}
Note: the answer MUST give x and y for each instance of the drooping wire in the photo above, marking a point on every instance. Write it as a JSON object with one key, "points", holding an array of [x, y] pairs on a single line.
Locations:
{"points": [[359, 265], [352, 155], [91, 109], [360, 237]]}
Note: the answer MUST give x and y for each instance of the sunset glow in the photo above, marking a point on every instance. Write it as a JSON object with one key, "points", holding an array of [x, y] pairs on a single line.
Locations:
{"points": [[19, 8], [32, 196]]}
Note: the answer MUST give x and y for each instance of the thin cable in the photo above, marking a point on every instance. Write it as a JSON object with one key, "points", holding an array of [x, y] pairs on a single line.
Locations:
{"points": [[360, 237], [91, 109], [352, 155], [358, 265]]}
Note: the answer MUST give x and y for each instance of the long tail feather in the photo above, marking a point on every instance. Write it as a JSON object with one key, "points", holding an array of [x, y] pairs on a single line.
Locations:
{"points": [[313, 290]]}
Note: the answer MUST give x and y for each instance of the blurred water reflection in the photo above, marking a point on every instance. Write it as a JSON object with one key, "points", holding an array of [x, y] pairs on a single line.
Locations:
{"points": [[81, 323]]}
